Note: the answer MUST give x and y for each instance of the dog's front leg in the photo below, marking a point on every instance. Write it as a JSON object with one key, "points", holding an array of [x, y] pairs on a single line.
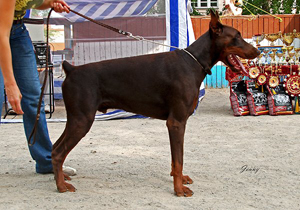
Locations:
{"points": [[185, 179], [176, 133]]}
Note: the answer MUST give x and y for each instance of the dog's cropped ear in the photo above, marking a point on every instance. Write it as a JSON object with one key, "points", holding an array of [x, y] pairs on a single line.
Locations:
{"points": [[215, 26]]}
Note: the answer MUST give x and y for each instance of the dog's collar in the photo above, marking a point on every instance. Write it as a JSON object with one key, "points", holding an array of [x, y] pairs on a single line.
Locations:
{"points": [[190, 54]]}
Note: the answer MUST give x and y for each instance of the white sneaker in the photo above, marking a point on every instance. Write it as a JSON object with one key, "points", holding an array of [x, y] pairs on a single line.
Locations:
{"points": [[69, 171], [47, 108]]}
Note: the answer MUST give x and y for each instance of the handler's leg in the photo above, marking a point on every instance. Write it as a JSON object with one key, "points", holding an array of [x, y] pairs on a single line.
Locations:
{"points": [[26, 74], [1, 93]]}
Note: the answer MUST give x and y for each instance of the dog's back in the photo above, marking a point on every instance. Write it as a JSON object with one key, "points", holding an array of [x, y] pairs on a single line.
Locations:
{"points": [[131, 83]]}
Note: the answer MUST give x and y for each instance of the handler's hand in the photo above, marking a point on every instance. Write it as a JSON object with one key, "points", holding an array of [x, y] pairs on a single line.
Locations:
{"points": [[60, 6], [14, 97]]}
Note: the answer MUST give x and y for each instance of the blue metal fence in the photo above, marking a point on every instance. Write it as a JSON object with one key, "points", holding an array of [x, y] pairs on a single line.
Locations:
{"points": [[217, 78]]}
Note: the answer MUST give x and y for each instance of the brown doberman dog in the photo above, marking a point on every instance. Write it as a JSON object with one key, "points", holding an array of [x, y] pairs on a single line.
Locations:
{"points": [[163, 86]]}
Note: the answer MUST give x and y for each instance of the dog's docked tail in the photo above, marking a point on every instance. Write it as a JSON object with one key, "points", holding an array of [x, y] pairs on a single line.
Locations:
{"points": [[67, 67]]}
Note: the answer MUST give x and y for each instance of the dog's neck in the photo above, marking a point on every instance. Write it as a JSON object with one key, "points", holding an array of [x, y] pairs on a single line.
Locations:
{"points": [[205, 51], [192, 56]]}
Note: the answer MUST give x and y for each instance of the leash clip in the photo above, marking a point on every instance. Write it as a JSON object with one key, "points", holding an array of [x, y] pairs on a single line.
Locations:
{"points": [[122, 32], [139, 38], [129, 34]]}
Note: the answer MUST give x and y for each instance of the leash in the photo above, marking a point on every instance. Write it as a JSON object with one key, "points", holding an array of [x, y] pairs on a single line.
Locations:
{"points": [[34, 129], [125, 33], [130, 35]]}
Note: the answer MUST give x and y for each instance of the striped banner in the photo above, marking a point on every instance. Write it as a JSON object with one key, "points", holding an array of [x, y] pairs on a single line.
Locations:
{"points": [[179, 24], [180, 31], [107, 9]]}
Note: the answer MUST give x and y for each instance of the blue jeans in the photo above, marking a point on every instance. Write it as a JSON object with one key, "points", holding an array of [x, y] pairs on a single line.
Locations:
{"points": [[1, 93], [26, 74]]}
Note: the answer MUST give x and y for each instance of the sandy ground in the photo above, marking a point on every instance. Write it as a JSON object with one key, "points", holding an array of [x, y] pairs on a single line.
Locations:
{"points": [[125, 164]]}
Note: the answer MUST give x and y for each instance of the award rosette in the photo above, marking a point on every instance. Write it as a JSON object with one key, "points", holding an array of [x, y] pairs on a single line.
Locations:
{"points": [[273, 81], [262, 79], [292, 85], [253, 72]]}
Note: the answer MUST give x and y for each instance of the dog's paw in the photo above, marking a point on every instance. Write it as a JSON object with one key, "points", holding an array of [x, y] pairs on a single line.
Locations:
{"points": [[67, 177], [185, 192], [186, 180], [65, 187]]}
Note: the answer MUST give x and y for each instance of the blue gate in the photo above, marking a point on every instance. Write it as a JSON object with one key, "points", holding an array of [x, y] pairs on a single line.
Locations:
{"points": [[217, 78]]}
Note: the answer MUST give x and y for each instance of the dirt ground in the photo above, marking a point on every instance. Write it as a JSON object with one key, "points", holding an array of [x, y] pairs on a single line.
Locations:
{"points": [[236, 163]]}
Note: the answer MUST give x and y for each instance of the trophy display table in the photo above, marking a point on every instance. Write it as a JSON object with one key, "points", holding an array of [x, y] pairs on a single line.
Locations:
{"points": [[268, 89], [273, 79]]}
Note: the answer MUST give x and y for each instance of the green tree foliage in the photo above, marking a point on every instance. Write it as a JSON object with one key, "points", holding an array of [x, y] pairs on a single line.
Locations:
{"points": [[262, 4], [297, 6], [275, 6], [271, 6], [288, 4]]}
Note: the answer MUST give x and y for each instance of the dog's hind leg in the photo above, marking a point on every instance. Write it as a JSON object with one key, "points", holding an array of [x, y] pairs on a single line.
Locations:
{"points": [[176, 130], [75, 130], [55, 145]]}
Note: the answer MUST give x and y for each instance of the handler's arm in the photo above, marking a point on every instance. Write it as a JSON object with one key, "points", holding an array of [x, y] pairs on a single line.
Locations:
{"points": [[58, 6], [14, 96]]}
